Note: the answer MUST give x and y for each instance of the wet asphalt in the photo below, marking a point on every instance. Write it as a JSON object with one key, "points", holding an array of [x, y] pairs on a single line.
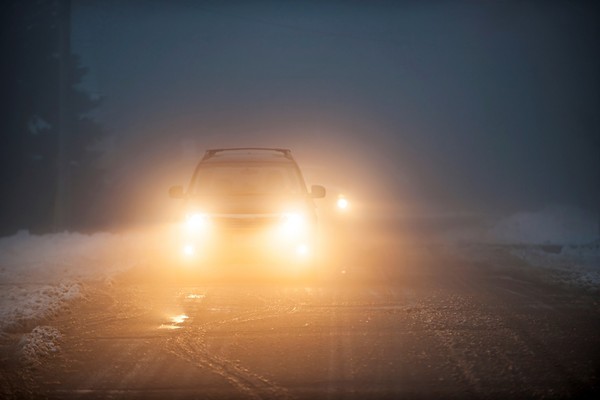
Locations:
{"points": [[423, 323]]}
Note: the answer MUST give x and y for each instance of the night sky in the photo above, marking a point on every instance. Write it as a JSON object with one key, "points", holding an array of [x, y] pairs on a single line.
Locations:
{"points": [[485, 107]]}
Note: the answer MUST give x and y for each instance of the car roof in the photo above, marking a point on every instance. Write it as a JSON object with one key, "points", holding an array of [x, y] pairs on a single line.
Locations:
{"points": [[248, 155]]}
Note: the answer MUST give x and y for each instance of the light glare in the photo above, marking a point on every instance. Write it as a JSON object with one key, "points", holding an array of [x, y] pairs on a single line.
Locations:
{"points": [[189, 250], [179, 319], [292, 223], [197, 222], [343, 203], [302, 250]]}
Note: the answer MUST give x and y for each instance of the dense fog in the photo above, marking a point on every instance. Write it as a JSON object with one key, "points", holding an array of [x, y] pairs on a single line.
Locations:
{"points": [[416, 109]]}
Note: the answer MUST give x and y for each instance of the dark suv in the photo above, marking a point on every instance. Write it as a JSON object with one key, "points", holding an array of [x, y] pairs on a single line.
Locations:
{"points": [[246, 206]]}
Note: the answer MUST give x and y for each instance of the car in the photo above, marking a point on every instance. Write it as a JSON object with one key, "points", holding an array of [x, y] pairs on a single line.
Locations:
{"points": [[248, 206]]}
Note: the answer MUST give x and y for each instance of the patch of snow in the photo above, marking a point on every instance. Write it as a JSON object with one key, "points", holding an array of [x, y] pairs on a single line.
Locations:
{"points": [[53, 258], [559, 242], [573, 264], [26, 304], [41, 342], [41, 274]]}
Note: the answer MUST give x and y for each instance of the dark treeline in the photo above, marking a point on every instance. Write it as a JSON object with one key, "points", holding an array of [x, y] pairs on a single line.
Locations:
{"points": [[32, 162]]}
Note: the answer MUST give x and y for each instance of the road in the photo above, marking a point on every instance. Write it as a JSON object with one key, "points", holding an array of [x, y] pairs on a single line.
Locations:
{"points": [[424, 325]]}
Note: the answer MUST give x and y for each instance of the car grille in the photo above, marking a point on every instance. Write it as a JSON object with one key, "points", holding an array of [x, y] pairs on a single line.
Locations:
{"points": [[245, 222]]}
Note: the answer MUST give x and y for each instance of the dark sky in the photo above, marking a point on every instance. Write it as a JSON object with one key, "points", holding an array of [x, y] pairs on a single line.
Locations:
{"points": [[476, 106]]}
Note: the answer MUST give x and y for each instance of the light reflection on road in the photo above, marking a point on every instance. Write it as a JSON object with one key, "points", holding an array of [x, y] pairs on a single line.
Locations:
{"points": [[193, 296], [176, 322]]}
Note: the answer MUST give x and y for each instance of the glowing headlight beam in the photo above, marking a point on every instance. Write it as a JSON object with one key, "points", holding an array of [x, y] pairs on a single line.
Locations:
{"points": [[292, 223], [197, 222], [292, 219], [302, 250], [189, 250], [342, 203]]}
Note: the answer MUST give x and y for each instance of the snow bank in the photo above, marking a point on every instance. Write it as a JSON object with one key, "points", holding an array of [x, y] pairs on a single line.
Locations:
{"points": [[39, 275], [572, 264], [22, 306], [560, 242], [26, 258], [41, 342]]}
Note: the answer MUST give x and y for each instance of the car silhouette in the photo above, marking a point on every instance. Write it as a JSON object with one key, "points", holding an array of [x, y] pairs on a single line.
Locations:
{"points": [[248, 206]]}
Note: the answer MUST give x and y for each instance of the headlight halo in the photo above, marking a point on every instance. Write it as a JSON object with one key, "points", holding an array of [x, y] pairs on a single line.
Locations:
{"points": [[197, 222], [292, 223]]}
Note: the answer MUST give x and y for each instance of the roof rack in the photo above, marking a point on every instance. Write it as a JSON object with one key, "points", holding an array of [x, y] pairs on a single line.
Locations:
{"points": [[287, 153]]}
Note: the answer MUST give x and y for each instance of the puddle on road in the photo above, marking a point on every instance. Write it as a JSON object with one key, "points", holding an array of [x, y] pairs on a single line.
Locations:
{"points": [[177, 322], [193, 296]]}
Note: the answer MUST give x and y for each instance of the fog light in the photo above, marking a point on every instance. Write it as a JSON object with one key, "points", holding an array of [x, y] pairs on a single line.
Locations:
{"points": [[342, 203]]}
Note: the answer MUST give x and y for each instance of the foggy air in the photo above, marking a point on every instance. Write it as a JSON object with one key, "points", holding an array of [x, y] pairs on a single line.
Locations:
{"points": [[303, 199]]}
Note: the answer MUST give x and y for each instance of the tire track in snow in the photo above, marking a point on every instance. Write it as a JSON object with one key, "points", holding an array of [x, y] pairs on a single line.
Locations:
{"points": [[191, 346]]}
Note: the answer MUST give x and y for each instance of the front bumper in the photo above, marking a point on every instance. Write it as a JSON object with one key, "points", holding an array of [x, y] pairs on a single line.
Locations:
{"points": [[237, 241]]}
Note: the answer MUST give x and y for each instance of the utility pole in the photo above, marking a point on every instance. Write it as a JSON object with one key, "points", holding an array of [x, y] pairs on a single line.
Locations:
{"points": [[63, 175]]}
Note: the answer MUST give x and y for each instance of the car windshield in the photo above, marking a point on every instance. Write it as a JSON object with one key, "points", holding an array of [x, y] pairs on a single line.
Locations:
{"points": [[254, 179]]}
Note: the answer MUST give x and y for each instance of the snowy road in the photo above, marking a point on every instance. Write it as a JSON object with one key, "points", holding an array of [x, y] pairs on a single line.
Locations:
{"points": [[431, 327]]}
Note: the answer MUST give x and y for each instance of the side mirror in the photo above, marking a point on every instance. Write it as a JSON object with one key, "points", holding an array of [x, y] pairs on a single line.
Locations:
{"points": [[176, 192], [317, 191]]}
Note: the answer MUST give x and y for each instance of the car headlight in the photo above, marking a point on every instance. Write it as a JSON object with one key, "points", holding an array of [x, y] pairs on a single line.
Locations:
{"points": [[292, 223], [197, 222], [342, 203]]}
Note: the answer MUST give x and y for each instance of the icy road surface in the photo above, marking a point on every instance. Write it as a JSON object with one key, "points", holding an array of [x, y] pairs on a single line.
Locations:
{"points": [[429, 325]]}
